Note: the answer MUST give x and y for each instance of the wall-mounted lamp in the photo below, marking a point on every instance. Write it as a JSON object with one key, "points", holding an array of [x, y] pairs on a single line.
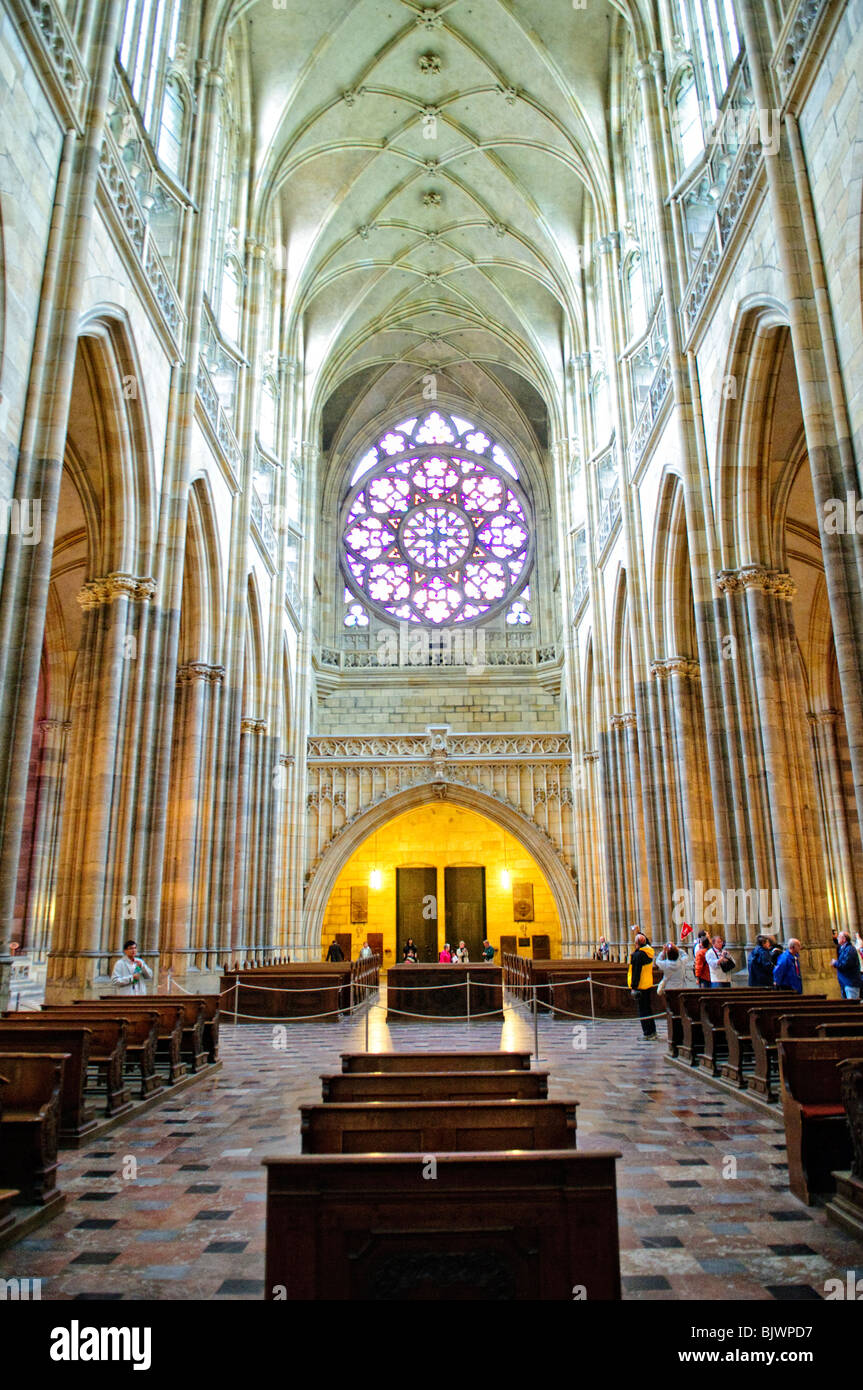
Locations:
{"points": [[376, 879], [505, 878]]}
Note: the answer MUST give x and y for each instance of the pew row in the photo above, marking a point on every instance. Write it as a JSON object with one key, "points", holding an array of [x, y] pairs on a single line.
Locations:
{"points": [[76, 1120], [846, 1207], [356, 1087], [107, 1053], [437, 1126], [435, 1061], [29, 1121], [817, 1137], [489, 1227]]}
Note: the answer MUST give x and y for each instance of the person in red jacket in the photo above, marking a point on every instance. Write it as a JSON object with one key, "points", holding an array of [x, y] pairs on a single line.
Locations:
{"points": [[702, 969]]}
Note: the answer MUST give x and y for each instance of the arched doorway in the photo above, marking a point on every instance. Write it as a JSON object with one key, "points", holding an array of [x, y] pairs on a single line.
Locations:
{"points": [[438, 826]]}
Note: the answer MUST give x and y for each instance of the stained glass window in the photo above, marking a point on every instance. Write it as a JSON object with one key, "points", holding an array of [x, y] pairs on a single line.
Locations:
{"points": [[436, 527]]}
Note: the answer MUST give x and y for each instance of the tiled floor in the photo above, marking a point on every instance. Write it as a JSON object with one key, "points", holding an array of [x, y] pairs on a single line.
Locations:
{"points": [[172, 1206]]}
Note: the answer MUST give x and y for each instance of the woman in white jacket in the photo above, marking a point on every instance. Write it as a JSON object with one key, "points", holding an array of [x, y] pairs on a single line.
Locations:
{"points": [[677, 970], [130, 972]]}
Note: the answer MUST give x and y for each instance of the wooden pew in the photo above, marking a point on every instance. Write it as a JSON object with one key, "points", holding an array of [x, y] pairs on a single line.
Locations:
{"points": [[435, 1061], [673, 999], [490, 1226], [846, 1207], [764, 1029], [288, 991], [212, 1005], [816, 1135], [29, 1123], [192, 1047], [736, 1016], [353, 1087], [800, 1023], [169, 1025], [142, 1036], [711, 1003], [851, 1029], [76, 1118], [437, 1126], [107, 1053]]}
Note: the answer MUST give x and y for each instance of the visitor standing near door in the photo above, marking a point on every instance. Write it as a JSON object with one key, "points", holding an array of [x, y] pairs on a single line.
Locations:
{"points": [[335, 953]]}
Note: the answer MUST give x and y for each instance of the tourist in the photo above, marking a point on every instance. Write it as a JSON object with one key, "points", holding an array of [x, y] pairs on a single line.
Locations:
{"points": [[461, 956], [640, 980], [719, 963], [786, 972], [675, 968], [130, 972], [487, 952], [365, 951], [847, 967], [761, 964], [335, 953], [604, 949], [702, 970], [410, 954], [445, 956]]}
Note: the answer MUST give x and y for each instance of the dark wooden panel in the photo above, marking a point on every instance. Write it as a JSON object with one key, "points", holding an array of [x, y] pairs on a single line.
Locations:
{"points": [[489, 1227], [480, 1085]]}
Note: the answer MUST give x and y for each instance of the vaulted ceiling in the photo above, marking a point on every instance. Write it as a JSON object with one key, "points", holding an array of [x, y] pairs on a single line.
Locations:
{"points": [[429, 168]]}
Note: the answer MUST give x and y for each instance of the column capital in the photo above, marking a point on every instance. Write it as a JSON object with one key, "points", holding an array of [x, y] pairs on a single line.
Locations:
{"points": [[777, 583], [684, 666], [627, 720], [824, 716], [590, 755], [253, 726], [200, 671], [113, 586]]}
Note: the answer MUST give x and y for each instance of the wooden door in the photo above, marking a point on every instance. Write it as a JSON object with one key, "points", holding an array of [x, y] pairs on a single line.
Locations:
{"points": [[541, 947], [508, 946], [376, 942], [464, 900], [416, 913], [344, 939]]}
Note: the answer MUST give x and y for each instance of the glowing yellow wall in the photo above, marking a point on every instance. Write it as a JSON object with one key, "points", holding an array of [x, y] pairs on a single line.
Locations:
{"points": [[441, 835]]}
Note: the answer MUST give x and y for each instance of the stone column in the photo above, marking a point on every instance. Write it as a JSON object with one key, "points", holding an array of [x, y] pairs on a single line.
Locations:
{"points": [[841, 887], [88, 924], [27, 568]]}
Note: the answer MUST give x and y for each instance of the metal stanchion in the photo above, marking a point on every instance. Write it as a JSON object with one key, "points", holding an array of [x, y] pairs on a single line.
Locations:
{"points": [[592, 1009], [535, 1027], [236, 996], [368, 1011], [467, 977]]}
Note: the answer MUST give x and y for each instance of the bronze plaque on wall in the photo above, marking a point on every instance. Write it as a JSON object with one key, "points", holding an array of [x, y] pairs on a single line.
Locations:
{"points": [[359, 903], [522, 902]]}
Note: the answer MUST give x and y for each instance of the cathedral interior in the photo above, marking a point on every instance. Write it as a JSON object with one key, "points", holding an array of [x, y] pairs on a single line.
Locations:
{"points": [[432, 438]]}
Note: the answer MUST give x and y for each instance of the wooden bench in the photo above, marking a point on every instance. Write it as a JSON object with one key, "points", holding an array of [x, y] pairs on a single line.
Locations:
{"points": [[142, 1036], [435, 1061], [76, 1118], [289, 992], [485, 1227], [715, 1044], [107, 1054], [736, 1017], [846, 1207], [764, 1027], [840, 1029], [31, 1088], [212, 1005], [346, 1088], [816, 1134], [437, 1126], [444, 991], [673, 1000], [191, 1047], [801, 1023]]}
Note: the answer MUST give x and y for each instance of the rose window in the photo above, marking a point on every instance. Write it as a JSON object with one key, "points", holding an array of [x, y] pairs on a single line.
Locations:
{"points": [[435, 528]]}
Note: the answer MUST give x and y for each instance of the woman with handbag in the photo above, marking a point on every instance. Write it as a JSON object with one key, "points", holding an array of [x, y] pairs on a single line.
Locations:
{"points": [[720, 964]]}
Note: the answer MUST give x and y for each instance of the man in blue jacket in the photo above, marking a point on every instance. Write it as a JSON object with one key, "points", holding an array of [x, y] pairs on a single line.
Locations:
{"points": [[786, 972], [847, 966], [761, 964]]}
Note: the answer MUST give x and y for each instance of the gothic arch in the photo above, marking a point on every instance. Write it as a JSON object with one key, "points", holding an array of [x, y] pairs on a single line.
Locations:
{"points": [[337, 853]]}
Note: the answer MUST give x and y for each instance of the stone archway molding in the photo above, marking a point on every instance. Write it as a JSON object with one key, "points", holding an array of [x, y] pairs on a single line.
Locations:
{"points": [[339, 851]]}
